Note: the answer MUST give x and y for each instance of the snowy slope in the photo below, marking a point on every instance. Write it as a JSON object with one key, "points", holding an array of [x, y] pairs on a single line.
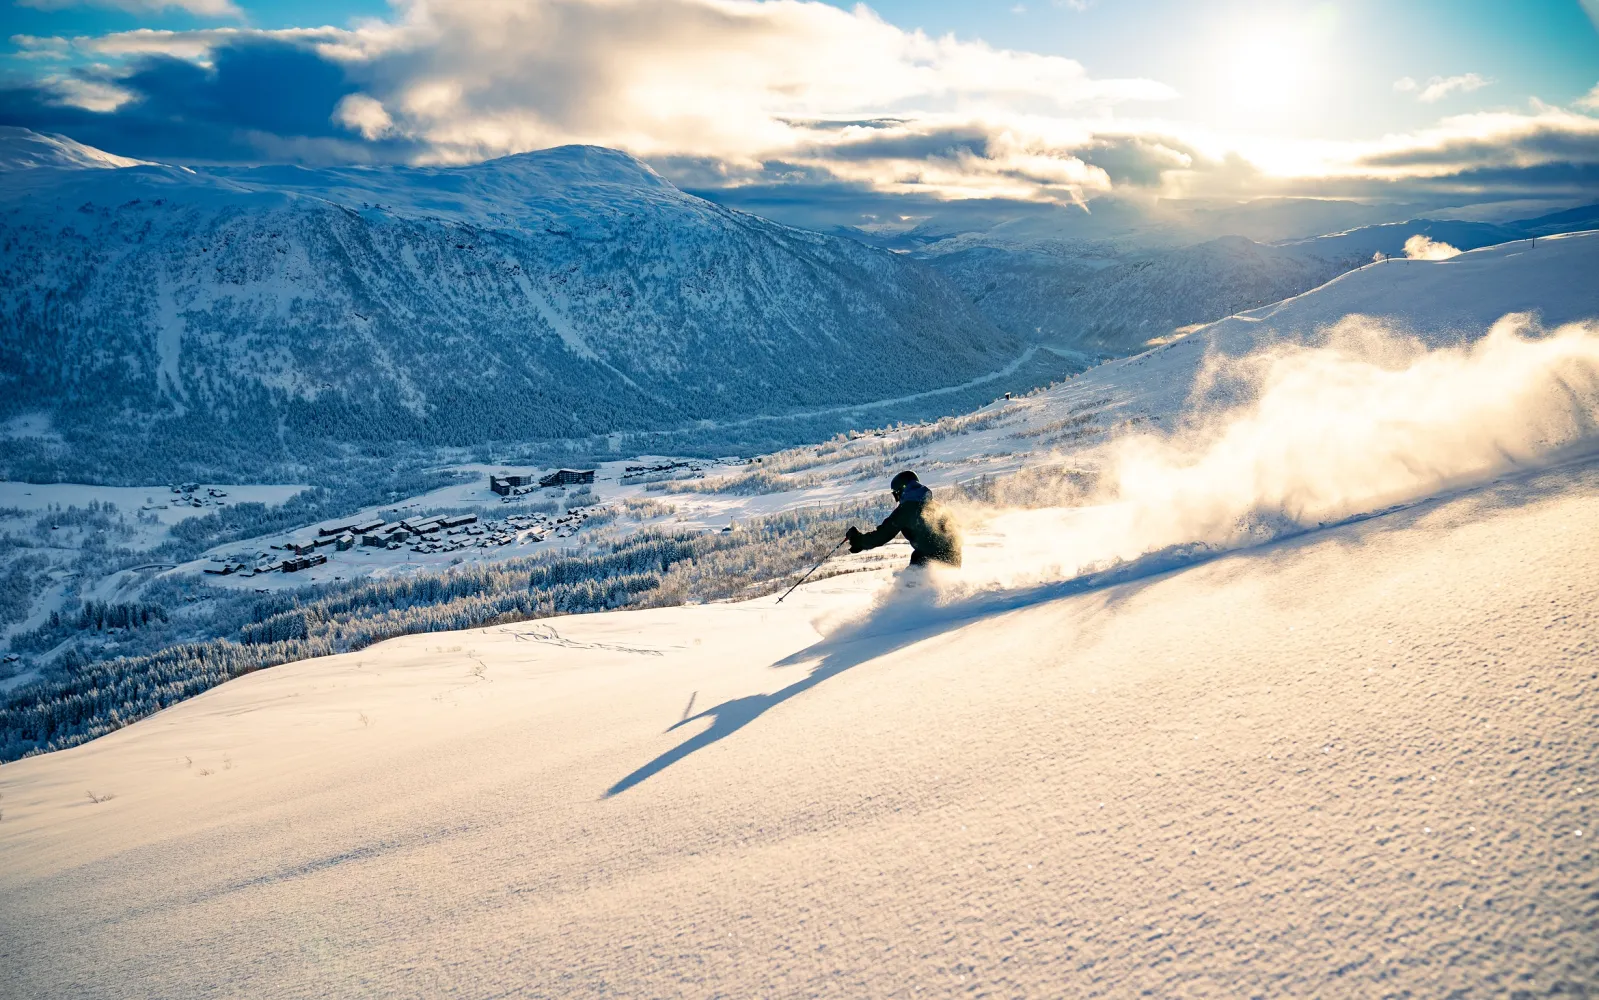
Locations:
{"points": [[163, 318], [22, 148], [1355, 765]]}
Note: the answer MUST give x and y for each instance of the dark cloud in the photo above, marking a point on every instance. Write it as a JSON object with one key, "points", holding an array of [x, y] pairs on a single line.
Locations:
{"points": [[831, 204], [1578, 180], [1141, 161], [1545, 143], [940, 144], [260, 99], [831, 125]]}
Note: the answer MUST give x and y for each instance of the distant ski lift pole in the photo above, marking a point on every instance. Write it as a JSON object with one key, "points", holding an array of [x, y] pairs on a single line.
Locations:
{"points": [[813, 569]]}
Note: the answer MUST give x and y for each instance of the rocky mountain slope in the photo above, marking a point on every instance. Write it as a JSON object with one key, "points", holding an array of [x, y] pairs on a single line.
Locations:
{"points": [[163, 317]]}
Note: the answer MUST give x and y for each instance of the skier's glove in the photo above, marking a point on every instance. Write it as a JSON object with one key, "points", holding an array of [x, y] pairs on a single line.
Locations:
{"points": [[853, 536]]}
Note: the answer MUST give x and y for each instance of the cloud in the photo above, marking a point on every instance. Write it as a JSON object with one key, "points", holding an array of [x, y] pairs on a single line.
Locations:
{"points": [[35, 47], [98, 96], [1590, 100], [1475, 142], [199, 8], [740, 81], [364, 115], [726, 95], [1439, 87]]}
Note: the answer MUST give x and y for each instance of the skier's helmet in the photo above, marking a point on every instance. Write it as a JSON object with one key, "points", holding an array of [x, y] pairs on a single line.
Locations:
{"points": [[899, 482]]}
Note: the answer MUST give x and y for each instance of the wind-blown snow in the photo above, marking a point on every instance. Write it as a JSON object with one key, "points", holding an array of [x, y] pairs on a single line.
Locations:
{"points": [[1327, 433], [1421, 247]]}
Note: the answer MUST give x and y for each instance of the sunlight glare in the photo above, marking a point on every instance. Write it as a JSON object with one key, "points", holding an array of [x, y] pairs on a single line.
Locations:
{"points": [[1270, 63], [1265, 68]]}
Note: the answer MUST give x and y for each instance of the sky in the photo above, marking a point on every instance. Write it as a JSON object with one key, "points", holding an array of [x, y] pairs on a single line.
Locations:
{"points": [[855, 114]]}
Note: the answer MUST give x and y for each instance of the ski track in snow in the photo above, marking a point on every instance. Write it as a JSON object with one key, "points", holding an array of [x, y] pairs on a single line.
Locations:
{"points": [[169, 343]]}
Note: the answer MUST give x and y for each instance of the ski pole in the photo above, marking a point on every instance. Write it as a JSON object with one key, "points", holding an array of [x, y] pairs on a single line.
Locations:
{"points": [[813, 569]]}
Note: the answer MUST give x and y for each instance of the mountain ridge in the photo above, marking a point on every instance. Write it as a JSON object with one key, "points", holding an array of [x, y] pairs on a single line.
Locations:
{"points": [[211, 319]]}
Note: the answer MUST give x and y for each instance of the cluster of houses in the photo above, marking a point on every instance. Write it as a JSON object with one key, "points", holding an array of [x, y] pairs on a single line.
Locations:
{"points": [[427, 535], [188, 495]]}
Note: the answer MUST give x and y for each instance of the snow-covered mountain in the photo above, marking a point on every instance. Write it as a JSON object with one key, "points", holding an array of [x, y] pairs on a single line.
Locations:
{"points": [[220, 316], [22, 148], [1115, 297]]}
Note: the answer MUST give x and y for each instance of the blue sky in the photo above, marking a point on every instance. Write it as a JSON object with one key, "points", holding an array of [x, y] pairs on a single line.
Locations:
{"points": [[1044, 101]]}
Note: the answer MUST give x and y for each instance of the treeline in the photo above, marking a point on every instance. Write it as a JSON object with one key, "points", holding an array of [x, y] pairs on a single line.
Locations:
{"points": [[79, 700], [101, 615], [91, 616]]}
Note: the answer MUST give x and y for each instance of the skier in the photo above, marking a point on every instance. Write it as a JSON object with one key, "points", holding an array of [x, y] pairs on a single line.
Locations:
{"points": [[929, 528]]}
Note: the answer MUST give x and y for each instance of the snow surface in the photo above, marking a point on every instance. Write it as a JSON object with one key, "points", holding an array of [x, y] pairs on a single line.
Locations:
{"points": [[1352, 764]]}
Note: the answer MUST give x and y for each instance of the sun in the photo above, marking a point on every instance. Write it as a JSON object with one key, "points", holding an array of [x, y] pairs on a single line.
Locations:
{"points": [[1265, 70], [1268, 64]]}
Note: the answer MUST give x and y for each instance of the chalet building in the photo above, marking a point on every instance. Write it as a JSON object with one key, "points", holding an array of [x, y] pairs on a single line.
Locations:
{"points": [[568, 477], [351, 528]]}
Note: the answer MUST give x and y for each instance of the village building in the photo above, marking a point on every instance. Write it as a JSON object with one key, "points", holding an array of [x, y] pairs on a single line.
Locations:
{"points": [[568, 477]]}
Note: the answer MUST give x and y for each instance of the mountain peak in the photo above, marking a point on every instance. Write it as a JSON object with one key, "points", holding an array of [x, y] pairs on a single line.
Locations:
{"points": [[577, 164], [22, 149]]}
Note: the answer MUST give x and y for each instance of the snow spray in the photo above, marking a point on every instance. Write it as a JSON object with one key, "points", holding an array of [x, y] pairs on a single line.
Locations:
{"points": [[1286, 439]]}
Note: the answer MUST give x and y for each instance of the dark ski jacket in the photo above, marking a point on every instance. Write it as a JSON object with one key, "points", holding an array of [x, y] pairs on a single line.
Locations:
{"points": [[929, 528]]}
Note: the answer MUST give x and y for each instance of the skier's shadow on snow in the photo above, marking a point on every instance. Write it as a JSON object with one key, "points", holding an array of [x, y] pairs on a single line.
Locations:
{"points": [[881, 632], [838, 654]]}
